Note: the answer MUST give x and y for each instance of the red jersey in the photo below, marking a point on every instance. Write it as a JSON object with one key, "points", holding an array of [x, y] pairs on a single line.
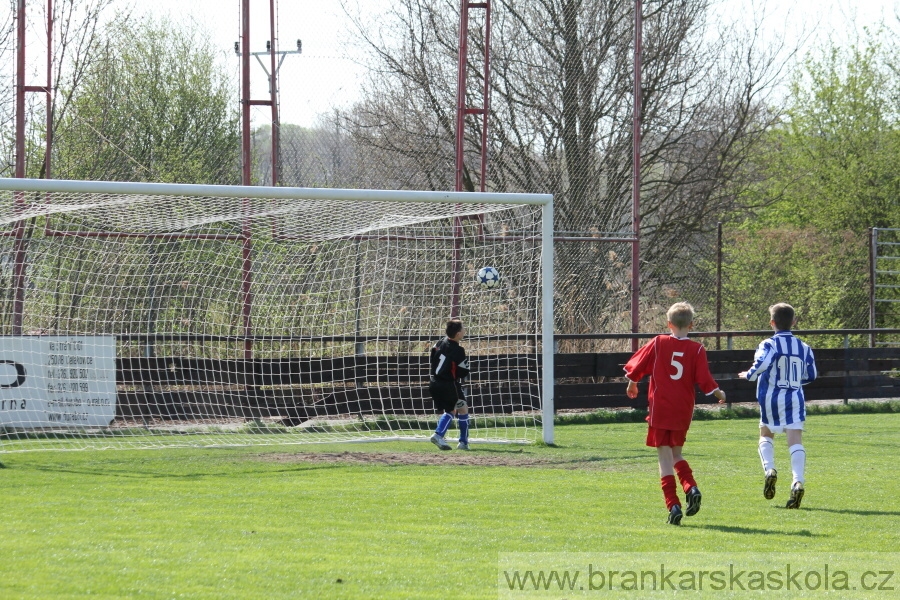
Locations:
{"points": [[674, 365]]}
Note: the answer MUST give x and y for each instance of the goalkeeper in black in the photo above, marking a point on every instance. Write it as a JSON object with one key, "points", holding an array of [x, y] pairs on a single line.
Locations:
{"points": [[449, 367]]}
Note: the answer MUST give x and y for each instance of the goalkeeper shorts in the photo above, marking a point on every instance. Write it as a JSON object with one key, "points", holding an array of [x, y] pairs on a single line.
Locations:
{"points": [[445, 394]]}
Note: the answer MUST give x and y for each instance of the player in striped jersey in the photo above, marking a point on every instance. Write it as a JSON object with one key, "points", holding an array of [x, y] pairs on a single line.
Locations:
{"points": [[783, 364]]}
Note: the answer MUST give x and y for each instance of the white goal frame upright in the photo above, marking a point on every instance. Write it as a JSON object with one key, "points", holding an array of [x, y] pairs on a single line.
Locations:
{"points": [[22, 212]]}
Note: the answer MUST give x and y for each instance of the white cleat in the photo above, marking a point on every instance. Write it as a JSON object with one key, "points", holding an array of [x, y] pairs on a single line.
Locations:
{"points": [[438, 441], [462, 446]]}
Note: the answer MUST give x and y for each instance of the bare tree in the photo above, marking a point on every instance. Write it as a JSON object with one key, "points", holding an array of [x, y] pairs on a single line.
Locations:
{"points": [[7, 103], [76, 30], [317, 156], [561, 106]]}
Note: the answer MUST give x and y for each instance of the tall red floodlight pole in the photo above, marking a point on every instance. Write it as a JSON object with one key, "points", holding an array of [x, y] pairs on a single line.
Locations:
{"points": [[272, 73], [461, 111], [19, 202], [49, 136], [636, 177], [242, 49], [19, 248], [486, 94], [247, 248], [20, 90]]}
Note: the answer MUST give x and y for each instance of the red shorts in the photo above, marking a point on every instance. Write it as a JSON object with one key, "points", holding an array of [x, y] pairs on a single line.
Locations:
{"points": [[665, 437]]}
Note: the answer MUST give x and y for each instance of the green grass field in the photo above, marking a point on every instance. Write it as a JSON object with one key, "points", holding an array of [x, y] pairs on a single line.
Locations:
{"points": [[400, 520]]}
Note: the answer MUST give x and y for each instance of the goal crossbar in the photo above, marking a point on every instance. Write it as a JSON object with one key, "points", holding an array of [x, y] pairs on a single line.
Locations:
{"points": [[111, 194], [268, 192]]}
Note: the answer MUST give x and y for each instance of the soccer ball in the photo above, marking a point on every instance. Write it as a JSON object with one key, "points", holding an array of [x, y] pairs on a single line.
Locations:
{"points": [[487, 277]]}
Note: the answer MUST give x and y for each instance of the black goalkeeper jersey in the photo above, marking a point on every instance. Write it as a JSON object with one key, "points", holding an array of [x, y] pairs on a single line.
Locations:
{"points": [[448, 361]]}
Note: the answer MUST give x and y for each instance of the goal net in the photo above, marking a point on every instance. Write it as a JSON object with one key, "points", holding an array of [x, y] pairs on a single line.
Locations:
{"points": [[152, 315]]}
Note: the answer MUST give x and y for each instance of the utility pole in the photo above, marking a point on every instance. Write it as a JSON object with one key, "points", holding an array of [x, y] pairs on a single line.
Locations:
{"points": [[271, 72]]}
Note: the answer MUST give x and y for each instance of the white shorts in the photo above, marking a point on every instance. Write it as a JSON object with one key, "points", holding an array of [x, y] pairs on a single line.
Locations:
{"points": [[782, 428]]}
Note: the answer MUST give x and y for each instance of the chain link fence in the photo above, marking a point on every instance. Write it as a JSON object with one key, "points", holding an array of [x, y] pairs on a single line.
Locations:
{"points": [[145, 99]]}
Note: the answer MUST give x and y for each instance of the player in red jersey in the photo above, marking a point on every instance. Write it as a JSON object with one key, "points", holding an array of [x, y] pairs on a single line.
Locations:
{"points": [[675, 365]]}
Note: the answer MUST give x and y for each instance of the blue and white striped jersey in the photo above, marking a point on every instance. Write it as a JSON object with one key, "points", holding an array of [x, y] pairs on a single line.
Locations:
{"points": [[783, 364]]}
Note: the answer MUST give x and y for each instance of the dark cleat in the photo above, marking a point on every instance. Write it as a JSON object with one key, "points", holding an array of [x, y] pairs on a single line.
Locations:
{"points": [[769, 485], [693, 501], [796, 496], [675, 515]]}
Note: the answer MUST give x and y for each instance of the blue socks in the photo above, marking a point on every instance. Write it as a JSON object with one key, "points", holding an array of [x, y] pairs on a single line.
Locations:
{"points": [[463, 428], [444, 424]]}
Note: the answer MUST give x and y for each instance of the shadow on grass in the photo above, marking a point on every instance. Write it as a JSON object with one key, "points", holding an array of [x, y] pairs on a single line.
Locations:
{"points": [[137, 474], [713, 413], [483, 449], [853, 511], [555, 459], [598, 459], [755, 531]]}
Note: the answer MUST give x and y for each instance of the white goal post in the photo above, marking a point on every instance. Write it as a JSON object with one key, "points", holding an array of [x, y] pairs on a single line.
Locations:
{"points": [[152, 315]]}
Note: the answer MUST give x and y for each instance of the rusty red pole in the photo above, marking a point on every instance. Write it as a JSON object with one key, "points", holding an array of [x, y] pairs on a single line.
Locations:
{"points": [[18, 282], [20, 90], [461, 90], [636, 178], [487, 95], [456, 266], [461, 112], [273, 85], [247, 265]]}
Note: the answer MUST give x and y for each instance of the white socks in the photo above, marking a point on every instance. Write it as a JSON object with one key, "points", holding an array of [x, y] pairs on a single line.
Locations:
{"points": [[798, 462], [767, 452], [797, 452]]}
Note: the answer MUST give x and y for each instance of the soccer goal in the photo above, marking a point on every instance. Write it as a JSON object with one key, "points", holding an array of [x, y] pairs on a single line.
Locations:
{"points": [[152, 315]]}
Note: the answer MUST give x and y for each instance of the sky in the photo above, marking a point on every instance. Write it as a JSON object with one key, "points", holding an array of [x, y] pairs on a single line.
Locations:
{"points": [[323, 75], [327, 73]]}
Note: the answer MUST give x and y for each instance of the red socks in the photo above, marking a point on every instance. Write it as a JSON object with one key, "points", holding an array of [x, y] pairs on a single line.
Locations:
{"points": [[685, 475], [669, 487], [670, 491]]}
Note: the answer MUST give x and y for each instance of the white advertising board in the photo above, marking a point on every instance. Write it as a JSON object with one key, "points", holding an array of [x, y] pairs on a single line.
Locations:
{"points": [[57, 381]]}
